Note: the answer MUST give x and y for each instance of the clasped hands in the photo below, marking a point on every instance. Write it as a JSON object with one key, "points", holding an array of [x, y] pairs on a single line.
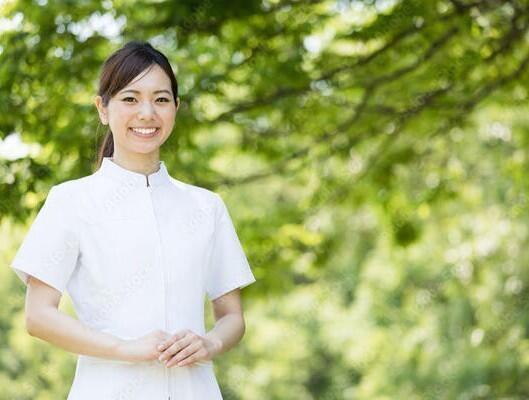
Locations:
{"points": [[185, 348]]}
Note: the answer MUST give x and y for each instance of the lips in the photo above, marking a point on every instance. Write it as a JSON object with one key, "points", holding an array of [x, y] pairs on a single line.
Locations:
{"points": [[145, 132]]}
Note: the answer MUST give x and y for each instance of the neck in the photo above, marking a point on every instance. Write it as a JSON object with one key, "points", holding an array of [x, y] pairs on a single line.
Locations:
{"points": [[145, 164]]}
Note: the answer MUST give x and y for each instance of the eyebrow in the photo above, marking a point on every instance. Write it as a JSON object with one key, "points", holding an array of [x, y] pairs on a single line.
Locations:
{"points": [[137, 91]]}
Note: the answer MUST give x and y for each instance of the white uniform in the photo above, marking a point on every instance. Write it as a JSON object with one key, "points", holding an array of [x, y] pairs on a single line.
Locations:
{"points": [[136, 254]]}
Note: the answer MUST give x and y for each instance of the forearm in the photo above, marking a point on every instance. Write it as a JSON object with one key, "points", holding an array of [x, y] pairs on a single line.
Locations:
{"points": [[72, 335], [227, 332]]}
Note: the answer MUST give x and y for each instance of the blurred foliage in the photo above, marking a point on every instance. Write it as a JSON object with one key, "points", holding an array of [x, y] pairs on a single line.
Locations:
{"points": [[373, 154]]}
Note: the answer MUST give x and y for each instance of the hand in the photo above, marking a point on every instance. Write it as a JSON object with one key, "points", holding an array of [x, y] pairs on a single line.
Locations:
{"points": [[186, 347], [143, 348]]}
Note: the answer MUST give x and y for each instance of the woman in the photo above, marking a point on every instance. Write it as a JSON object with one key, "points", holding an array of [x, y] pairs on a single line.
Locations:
{"points": [[137, 250]]}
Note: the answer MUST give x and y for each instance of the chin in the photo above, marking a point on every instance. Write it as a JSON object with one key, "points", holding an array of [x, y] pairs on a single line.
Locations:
{"points": [[143, 149]]}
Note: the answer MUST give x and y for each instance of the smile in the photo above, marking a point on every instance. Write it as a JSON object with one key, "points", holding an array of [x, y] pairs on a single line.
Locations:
{"points": [[145, 132]]}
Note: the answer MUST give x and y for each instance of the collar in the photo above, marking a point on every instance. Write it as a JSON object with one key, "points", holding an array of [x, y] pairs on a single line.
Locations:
{"points": [[112, 170]]}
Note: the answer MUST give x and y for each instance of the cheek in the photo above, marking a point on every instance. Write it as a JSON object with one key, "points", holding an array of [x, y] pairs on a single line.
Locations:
{"points": [[168, 117], [167, 112], [121, 110]]}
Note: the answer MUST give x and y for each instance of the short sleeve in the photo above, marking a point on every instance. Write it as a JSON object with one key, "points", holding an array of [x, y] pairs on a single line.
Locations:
{"points": [[49, 251], [228, 267]]}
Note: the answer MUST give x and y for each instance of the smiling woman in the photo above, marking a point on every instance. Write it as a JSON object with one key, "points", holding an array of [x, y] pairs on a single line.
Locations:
{"points": [[141, 114], [138, 251]]}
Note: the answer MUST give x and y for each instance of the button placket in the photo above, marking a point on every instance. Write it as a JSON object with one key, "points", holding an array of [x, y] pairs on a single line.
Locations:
{"points": [[166, 278]]}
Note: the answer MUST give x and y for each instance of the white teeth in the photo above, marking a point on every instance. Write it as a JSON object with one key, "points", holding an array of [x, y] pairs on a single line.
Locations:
{"points": [[144, 131]]}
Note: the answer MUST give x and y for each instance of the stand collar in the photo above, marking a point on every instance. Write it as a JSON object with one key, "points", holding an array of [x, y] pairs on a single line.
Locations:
{"points": [[114, 171]]}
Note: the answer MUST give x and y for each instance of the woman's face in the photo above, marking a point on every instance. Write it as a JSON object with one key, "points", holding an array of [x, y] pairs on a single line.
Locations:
{"points": [[145, 103]]}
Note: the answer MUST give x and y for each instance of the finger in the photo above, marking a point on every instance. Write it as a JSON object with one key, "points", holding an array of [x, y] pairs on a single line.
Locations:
{"points": [[186, 354], [163, 345], [171, 339], [195, 358], [175, 348]]}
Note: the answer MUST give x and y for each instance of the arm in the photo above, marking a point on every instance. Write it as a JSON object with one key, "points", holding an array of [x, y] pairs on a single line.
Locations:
{"points": [[229, 326], [45, 321]]}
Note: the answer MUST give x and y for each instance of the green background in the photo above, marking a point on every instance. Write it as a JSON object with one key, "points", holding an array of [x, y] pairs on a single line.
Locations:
{"points": [[373, 155]]}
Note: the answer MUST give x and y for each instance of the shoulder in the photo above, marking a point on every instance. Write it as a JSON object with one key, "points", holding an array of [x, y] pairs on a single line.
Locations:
{"points": [[68, 194], [204, 198], [70, 189], [199, 194]]}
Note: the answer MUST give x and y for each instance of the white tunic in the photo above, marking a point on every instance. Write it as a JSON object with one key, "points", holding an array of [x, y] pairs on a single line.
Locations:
{"points": [[136, 254]]}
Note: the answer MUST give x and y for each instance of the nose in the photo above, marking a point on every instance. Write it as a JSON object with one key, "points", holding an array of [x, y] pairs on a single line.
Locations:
{"points": [[146, 110]]}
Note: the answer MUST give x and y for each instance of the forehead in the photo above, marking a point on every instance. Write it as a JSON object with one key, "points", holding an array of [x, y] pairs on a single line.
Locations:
{"points": [[152, 79]]}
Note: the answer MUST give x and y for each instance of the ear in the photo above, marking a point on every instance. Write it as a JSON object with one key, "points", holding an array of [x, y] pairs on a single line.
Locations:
{"points": [[177, 103], [101, 109]]}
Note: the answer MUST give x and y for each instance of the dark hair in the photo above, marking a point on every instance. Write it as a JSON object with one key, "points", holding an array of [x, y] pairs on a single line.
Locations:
{"points": [[120, 68]]}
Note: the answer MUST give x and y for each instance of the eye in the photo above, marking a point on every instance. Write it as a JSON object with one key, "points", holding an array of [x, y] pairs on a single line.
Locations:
{"points": [[166, 100]]}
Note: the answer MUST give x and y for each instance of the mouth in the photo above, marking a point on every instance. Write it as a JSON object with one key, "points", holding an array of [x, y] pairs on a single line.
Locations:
{"points": [[144, 132]]}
